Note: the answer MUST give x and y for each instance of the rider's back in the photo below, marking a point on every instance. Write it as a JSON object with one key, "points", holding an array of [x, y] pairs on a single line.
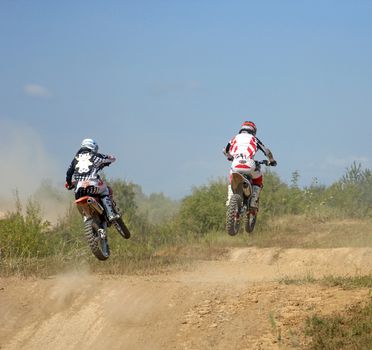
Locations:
{"points": [[243, 143], [87, 164]]}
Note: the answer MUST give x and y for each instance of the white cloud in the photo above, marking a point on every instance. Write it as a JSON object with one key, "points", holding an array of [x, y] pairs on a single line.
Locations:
{"points": [[36, 90]]}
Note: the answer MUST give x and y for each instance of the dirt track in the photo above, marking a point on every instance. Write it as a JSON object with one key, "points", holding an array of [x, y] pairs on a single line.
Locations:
{"points": [[236, 303]]}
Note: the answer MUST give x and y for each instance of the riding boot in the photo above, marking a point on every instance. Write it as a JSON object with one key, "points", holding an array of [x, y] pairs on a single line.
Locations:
{"points": [[229, 195], [109, 209], [256, 190]]}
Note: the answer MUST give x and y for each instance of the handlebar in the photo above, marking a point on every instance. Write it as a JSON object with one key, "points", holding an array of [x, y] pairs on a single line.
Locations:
{"points": [[266, 162], [230, 158], [263, 162]]}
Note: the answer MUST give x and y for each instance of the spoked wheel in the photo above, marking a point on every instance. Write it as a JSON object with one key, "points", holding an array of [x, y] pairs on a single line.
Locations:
{"points": [[250, 221], [98, 244], [233, 215], [122, 228]]}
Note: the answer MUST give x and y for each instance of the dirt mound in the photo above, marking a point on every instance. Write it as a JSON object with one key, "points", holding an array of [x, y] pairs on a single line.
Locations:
{"points": [[236, 303], [315, 262]]}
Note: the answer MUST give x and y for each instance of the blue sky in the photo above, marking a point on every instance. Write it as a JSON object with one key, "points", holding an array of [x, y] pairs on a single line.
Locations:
{"points": [[164, 85]]}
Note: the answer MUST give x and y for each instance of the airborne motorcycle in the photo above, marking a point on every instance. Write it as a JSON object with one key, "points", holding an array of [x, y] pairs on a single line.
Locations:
{"points": [[96, 224], [239, 205]]}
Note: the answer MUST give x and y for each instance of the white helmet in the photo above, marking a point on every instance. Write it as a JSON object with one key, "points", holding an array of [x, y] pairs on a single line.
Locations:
{"points": [[91, 144]]}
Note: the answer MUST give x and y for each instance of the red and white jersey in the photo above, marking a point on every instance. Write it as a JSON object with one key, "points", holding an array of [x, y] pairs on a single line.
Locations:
{"points": [[246, 144], [243, 143]]}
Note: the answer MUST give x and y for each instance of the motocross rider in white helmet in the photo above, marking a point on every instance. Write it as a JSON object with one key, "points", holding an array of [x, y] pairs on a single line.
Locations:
{"points": [[82, 175], [245, 145]]}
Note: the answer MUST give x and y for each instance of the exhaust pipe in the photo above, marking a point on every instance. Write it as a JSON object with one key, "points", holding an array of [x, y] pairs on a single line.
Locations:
{"points": [[95, 205]]}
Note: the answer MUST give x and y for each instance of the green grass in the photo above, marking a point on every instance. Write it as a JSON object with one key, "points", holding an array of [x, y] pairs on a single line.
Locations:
{"points": [[115, 265], [30, 246], [309, 278], [349, 330], [348, 282], [275, 328], [301, 231], [344, 282]]}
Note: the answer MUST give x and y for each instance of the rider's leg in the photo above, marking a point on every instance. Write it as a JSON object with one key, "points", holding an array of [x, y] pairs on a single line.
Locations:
{"points": [[257, 184], [109, 208], [242, 165], [229, 194], [107, 202], [229, 191]]}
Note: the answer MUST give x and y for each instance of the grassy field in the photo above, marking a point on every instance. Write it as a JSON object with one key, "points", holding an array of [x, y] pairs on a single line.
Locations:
{"points": [[133, 256]]}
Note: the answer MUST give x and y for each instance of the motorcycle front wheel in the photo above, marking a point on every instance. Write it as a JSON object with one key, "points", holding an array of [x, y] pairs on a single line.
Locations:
{"points": [[98, 245], [122, 228], [233, 215]]}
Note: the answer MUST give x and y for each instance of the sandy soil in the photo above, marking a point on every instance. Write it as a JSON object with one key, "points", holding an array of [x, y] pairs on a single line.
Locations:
{"points": [[235, 303]]}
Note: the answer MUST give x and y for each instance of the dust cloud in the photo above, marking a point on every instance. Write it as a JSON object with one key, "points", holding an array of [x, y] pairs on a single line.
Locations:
{"points": [[25, 165], [69, 286]]}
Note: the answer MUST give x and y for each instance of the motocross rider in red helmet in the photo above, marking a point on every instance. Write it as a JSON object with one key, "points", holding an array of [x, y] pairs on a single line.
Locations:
{"points": [[245, 144]]}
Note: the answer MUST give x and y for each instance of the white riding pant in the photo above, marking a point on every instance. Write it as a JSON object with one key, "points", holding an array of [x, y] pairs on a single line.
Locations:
{"points": [[245, 165], [96, 186]]}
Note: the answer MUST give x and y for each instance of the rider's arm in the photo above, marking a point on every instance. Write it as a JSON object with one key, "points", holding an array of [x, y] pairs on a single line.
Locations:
{"points": [[104, 160], [227, 149], [265, 150], [226, 152], [70, 172]]}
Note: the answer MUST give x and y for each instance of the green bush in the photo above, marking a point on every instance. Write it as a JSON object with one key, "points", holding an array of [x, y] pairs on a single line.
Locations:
{"points": [[352, 195], [204, 210], [25, 235]]}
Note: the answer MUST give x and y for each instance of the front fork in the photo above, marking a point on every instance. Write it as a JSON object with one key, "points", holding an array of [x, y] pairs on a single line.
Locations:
{"points": [[102, 231], [247, 209], [87, 214]]}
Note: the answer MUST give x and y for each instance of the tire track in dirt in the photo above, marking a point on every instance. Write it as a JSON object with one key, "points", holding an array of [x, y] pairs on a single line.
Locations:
{"points": [[236, 303]]}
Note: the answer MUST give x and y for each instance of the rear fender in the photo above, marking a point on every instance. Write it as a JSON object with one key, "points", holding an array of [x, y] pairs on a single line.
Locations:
{"points": [[240, 184], [88, 206], [247, 189]]}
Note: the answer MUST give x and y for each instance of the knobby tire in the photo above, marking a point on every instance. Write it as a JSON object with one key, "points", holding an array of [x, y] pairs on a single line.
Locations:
{"points": [[233, 219], [122, 228], [95, 242]]}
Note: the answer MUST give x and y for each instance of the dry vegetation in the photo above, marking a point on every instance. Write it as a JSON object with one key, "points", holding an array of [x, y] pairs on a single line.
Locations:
{"points": [[315, 217]]}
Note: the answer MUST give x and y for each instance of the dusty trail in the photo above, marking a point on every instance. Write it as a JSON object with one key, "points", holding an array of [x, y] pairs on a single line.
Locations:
{"points": [[236, 303]]}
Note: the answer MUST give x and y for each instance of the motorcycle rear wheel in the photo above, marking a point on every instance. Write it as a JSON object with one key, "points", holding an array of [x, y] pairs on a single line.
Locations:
{"points": [[233, 217], [98, 245]]}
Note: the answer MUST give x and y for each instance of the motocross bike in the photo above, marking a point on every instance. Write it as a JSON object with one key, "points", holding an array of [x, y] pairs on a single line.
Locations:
{"points": [[239, 205], [96, 224]]}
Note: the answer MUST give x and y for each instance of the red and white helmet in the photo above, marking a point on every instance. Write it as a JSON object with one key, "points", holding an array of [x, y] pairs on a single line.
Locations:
{"points": [[249, 127]]}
